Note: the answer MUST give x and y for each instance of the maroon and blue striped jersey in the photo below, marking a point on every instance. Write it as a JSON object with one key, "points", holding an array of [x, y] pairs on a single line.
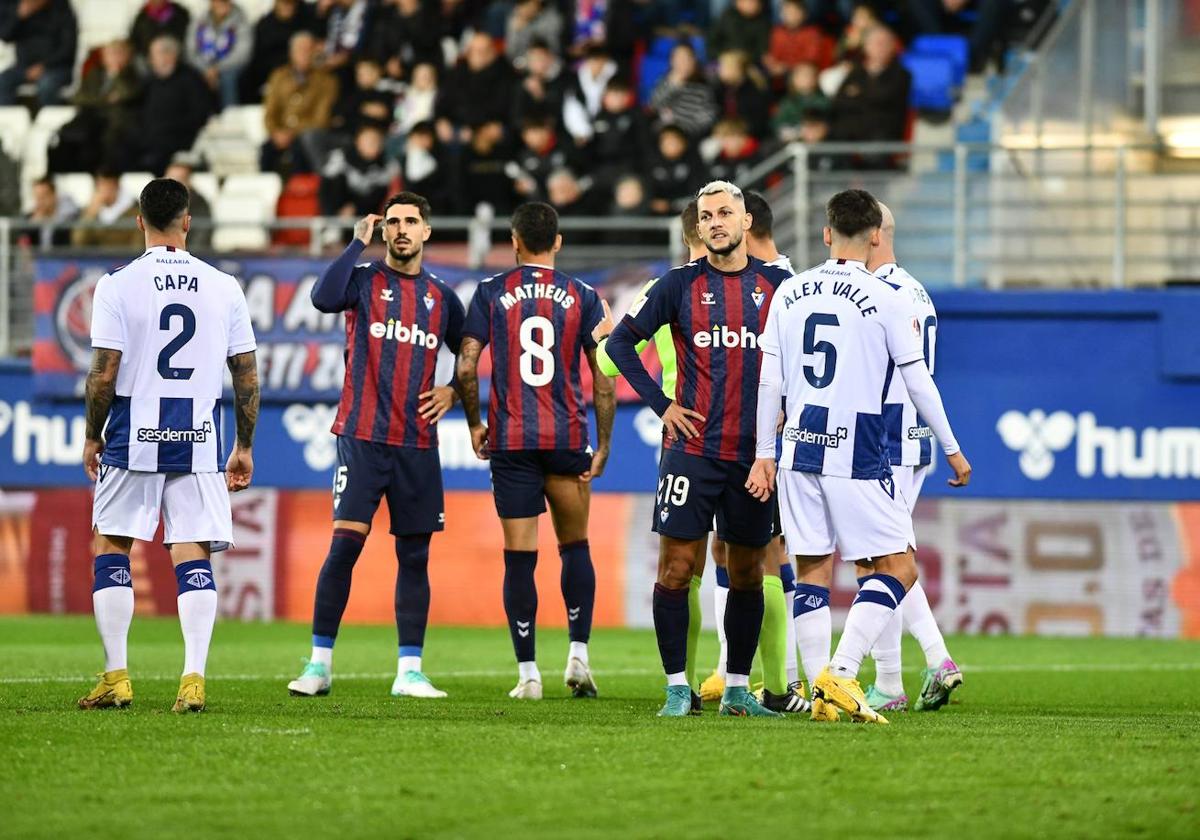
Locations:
{"points": [[395, 325], [715, 318], [538, 322]]}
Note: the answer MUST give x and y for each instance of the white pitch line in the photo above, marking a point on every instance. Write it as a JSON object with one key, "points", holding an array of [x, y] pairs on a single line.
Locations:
{"points": [[1012, 667]]}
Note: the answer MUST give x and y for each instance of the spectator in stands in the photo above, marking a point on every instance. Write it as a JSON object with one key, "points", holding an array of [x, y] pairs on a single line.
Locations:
{"points": [[270, 43], [406, 33], [417, 99], [570, 196], [478, 90], [981, 27], [347, 27], [531, 20], [849, 47], [744, 25], [630, 201], [795, 40], [610, 24], [108, 221], [675, 171], [585, 91], [356, 179], [44, 34], [540, 154], [158, 17], [200, 234], [299, 100], [803, 97], [814, 129], [742, 91], [174, 108], [55, 213], [620, 140], [422, 167], [219, 45], [482, 171], [872, 103], [736, 150], [369, 102], [683, 97], [106, 103], [543, 88]]}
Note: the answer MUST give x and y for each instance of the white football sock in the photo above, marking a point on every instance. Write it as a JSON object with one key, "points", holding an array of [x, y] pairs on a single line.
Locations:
{"points": [[528, 671], [814, 635], [197, 614], [919, 621], [864, 625], [886, 654], [793, 662], [677, 679], [323, 656], [113, 606], [720, 598], [737, 680], [406, 664], [578, 650]]}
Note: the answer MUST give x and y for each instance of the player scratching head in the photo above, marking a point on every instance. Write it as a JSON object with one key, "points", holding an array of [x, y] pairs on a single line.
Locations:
{"points": [[885, 252], [723, 222], [853, 222], [690, 219], [405, 231], [163, 213], [535, 236]]}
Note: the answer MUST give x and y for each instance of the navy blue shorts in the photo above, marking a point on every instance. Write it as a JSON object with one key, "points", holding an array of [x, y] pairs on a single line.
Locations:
{"points": [[410, 478], [519, 477], [693, 489]]}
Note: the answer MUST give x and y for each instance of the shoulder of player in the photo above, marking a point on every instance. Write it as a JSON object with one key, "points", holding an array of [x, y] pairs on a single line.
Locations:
{"points": [[775, 273]]}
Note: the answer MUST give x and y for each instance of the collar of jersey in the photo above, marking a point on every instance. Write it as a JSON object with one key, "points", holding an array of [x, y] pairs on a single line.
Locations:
{"points": [[836, 261], [749, 265], [164, 249], [538, 265], [396, 273]]}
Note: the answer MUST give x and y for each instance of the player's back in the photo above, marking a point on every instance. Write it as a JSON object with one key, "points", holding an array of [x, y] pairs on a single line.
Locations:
{"points": [[175, 320], [834, 329], [538, 321], [910, 441]]}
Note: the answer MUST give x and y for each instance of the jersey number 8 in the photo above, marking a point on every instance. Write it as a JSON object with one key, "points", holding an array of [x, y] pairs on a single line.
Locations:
{"points": [[537, 348]]}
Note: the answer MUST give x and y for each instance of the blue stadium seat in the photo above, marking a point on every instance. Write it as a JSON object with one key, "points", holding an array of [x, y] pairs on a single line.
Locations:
{"points": [[932, 81], [953, 47], [663, 44], [653, 68]]}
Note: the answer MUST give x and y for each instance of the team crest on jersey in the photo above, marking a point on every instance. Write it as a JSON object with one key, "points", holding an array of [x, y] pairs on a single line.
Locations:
{"points": [[758, 296], [387, 295], [708, 299], [536, 275], [916, 326], [663, 514], [429, 300]]}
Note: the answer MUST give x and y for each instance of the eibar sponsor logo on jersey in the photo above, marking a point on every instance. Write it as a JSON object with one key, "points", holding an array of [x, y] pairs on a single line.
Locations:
{"points": [[179, 283], [387, 294], [829, 439], [176, 435], [1104, 451], [723, 336], [758, 296], [537, 291], [413, 334]]}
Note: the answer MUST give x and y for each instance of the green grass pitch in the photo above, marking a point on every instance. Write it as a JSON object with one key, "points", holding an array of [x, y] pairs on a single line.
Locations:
{"points": [[1050, 738]]}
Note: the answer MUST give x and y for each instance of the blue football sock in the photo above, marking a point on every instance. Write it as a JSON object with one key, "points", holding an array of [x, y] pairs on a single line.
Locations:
{"points": [[671, 627], [333, 584], [743, 623], [412, 592], [578, 588], [521, 602]]}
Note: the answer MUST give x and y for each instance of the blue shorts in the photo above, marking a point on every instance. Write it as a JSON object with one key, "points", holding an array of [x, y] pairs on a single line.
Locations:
{"points": [[410, 478], [519, 477], [693, 489]]}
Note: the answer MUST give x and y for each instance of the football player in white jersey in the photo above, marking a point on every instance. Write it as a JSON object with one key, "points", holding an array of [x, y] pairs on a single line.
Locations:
{"points": [[835, 336], [164, 327], [910, 449]]}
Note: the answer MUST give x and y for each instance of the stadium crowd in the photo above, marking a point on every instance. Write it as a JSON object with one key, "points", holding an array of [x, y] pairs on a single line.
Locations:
{"points": [[596, 106]]}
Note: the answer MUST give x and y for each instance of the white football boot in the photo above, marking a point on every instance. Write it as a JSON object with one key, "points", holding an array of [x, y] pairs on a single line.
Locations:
{"points": [[415, 684], [578, 678], [527, 690], [314, 681]]}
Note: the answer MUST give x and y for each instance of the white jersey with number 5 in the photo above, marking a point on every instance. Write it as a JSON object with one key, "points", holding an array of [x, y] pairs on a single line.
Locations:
{"points": [[175, 319], [910, 441], [839, 332]]}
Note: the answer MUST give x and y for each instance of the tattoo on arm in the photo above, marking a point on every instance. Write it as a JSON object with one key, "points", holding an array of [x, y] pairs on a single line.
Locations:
{"points": [[467, 378], [244, 367], [604, 398], [100, 389]]}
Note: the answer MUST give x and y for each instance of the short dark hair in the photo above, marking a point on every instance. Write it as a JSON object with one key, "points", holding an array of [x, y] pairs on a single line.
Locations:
{"points": [[619, 84], [690, 217], [536, 226], [406, 197], [46, 181], [163, 201], [853, 212], [762, 223]]}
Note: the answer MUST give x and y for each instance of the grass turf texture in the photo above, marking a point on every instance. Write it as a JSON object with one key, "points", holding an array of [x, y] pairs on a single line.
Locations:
{"points": [[1064, 738]]}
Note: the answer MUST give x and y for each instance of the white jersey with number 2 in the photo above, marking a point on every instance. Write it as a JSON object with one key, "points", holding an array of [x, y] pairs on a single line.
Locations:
{"points": [[175, 319], [910, 441], [839, 333]]}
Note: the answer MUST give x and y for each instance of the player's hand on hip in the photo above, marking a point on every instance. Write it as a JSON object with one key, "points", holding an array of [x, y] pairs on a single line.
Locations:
{"points": [[962, 470], [436, 402], [479, 441], [761, 482], [239, 469], [92, 450], [364, 228], [678, 421], [599, 461], [603, 329]]}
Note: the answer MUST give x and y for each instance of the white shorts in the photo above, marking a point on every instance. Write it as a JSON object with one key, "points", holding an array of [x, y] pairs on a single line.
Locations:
{"points": [[909, 481], [861, 517], [194, 506]]}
